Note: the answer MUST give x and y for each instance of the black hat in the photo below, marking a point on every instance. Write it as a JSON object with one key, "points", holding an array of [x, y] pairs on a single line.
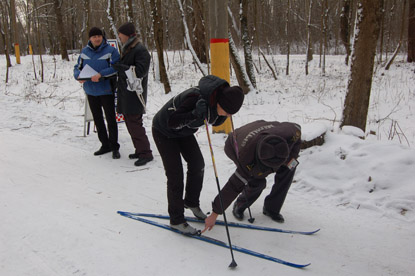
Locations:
{"points": [[231, 99], [127, 29], [95, 31], [272, 151]]}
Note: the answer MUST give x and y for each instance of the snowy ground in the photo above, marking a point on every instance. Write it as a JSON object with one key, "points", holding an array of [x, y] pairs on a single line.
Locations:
{"points": [[59, 202]]}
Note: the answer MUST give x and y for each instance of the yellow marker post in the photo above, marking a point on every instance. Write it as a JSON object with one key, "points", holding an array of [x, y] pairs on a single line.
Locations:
{"points": [[30, 49], [17, 52], [219, 53], [219, 48]]}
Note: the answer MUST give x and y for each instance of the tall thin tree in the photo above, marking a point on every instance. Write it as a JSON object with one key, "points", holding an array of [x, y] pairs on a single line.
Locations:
{"points": [[57, 4], [363, 57], [411, 32], [249, 62], [158, 38]]}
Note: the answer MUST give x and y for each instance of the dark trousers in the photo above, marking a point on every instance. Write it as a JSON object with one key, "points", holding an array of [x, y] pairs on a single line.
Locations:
{"points": [[96, 104], [171, 151], [138, 135], [274, 201]]}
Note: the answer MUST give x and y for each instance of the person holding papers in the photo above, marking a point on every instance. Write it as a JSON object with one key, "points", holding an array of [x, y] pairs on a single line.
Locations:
{"points": [[132, 90], [94, 71]]}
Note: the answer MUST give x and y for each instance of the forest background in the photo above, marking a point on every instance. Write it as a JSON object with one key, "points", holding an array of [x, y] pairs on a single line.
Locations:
{"points": [[364, 31]]}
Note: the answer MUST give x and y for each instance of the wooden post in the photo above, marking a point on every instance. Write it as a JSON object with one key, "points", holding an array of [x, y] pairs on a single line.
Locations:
{"points": [[219, 48], [17, 52]]}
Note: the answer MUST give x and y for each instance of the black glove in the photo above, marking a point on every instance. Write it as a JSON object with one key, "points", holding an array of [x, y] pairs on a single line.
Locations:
{"points": [[201, 109], [120, 67]]}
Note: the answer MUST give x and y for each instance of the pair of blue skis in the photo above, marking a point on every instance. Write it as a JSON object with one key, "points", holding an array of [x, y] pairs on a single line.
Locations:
{"points": [[141, 217]]}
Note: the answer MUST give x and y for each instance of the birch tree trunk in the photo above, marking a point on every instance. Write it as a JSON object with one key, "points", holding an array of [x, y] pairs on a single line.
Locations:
{"points": [[189, 43], [249, 63], [238, 67], [158, 38], [309, 53], [110, 16], [39, 40], [62, 34], [363, 58]]}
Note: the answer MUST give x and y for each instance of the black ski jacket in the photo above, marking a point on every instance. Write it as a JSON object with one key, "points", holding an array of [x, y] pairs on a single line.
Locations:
{"points": [[175, 119]]}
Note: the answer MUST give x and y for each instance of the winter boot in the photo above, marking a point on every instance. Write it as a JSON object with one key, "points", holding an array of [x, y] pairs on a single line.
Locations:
{"points": [[197, 212], [238, 212], [116, 154], [185, 229], [102, 151], [133, 156], [143, 161], [274, 216]]}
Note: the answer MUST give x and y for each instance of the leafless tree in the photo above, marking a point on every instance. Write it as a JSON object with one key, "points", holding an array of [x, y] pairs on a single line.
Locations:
{"points": [[57, 4], [360, 81], [411, 31], [400, 37], [309, 53], [158, 38], [249, 63]]}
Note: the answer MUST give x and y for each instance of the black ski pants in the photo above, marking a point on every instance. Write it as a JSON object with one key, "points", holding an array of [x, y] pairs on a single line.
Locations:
{"points": [[96, 104], [274, 201], [171, 151]]}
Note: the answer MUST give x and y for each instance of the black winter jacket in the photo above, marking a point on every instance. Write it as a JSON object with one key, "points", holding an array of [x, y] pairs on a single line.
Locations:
{"points": [[133, 53], [175, 119]]}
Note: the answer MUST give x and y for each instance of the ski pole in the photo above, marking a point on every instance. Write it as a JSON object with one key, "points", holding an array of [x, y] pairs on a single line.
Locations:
{"points": [[233, 263], [251, 219]]}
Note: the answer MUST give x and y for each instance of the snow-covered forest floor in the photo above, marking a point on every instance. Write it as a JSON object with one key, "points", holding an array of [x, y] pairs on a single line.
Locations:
{"points": [[59, 203]]}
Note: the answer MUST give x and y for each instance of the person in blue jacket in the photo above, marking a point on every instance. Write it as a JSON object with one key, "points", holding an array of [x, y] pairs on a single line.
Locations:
{"points": [[99, 55]]}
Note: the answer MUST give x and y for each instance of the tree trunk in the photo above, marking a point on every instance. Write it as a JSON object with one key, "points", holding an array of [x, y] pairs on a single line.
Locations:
{"points": [[309, 54], [86, 23], [130, 12], [199, 41], [400, 37], [287, 35], [61, 30], [111, 16], [238, 67], [345, 28], [158, 38], [360, 82], [39, 40], [411, 32], [13, 24], [187, 37], [5, 39], [249, 63]]}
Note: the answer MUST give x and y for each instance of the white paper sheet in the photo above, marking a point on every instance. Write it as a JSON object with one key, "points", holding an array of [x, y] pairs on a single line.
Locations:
{"points": [[87, 72]]}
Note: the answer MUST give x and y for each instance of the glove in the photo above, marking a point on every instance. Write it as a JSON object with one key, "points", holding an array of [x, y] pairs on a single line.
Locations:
{"points": [[120, 67], [201, 109]]}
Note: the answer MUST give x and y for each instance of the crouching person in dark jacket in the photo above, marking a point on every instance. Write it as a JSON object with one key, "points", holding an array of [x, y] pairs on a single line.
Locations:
{"points": [[173, 132], [259, 149]]}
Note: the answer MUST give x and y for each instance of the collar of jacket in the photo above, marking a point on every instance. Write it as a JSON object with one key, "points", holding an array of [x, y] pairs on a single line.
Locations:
{"points": [[131, 43], [103, 43]]}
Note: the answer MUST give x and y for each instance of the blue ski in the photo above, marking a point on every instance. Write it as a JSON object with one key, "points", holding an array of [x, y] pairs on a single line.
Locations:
{"points": [[230, 224], [214, 241]]}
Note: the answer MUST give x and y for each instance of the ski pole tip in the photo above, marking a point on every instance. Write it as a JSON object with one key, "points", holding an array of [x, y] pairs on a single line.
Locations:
{"points": [[233, 264]]}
